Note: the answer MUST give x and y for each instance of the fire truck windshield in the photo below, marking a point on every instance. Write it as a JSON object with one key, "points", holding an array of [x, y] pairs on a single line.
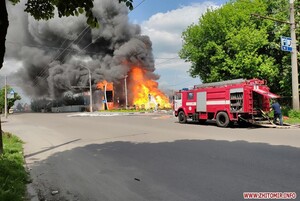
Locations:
{"points": [[177, 96]]}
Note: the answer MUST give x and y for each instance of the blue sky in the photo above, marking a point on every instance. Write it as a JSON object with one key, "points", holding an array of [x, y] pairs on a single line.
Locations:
{"points": [[164, 21], [146, 8]]}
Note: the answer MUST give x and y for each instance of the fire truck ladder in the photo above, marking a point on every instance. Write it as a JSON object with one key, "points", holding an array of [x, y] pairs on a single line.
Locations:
{"points": [[222, 83], [270, 123], [251, 103]]}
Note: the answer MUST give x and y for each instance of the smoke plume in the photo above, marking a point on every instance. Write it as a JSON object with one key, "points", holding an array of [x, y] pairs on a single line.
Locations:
{"points": [[56, 53]]}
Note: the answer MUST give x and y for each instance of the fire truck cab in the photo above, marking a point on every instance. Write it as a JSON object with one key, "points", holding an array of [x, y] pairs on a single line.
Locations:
{"points": [[226, 102]]}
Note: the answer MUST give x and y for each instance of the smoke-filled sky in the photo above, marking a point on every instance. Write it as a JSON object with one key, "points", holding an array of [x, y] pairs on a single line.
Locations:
{"points": [[55, 53], [51, 52]]}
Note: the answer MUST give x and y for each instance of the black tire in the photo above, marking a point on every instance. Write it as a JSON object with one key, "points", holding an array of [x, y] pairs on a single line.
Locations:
{"points": [[181, 117], [222, 119], [202, 121]]}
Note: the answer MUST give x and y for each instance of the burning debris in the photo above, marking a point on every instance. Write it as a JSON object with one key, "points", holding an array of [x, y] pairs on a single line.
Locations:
{"points": [[56, 50], [144, 90]]}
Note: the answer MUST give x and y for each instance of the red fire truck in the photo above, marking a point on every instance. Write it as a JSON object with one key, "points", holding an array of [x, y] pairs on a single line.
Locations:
{"points": [[226, 102]]}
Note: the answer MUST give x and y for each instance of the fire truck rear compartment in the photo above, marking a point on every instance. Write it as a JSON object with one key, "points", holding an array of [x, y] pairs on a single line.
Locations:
{"points": [[258, 105], [254, 114]]}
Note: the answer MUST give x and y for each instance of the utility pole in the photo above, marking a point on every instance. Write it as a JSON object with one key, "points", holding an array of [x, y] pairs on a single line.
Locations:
{"points": [[105, 96], [126, 100], [294, 60], [5, 98], [1, 137], [91, 93], [90, 81], [295, 82]]}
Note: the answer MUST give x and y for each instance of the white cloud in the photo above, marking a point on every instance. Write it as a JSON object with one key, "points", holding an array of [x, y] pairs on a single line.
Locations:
{"points": [[164, 30]]}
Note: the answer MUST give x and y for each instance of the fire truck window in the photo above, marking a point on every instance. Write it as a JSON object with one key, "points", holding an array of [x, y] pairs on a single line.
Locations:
{"points": [[190, 95], [177, 96]]}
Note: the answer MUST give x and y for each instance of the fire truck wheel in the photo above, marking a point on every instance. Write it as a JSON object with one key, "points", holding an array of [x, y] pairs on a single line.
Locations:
{"points": [[202, 121], [181, 117], [222, 119]]}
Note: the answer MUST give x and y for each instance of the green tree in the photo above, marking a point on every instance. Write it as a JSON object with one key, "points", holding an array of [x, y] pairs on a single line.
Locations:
{"points": [[10, 101], [229, 43]]}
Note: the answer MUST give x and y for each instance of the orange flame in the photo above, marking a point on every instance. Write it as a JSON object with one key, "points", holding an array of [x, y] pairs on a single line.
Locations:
{"points": [[145, 91]]}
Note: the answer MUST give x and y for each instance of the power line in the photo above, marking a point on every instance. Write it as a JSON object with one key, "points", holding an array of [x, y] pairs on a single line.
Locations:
{"points": [[184, 82], [139, 4], [85, 33], [73, 50], [44, 69], [167, 60], [100, 36], [48, 47]]}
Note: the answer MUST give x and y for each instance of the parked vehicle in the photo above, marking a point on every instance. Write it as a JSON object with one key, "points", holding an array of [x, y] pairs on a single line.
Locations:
{"points": [[11, 111]]}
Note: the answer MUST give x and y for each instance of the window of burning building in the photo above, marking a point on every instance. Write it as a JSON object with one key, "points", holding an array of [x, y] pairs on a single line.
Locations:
{"points": [[109, 96]]}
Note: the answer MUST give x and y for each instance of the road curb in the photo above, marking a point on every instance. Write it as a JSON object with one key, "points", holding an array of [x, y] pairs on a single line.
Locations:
{"points": [[101, 114]]}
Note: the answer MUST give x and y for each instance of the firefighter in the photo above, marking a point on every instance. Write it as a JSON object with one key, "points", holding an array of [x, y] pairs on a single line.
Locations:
{"points": [[277, 111]]}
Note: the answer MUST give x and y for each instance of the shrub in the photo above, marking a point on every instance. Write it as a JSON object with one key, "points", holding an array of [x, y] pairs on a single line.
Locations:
{"points": [[285, 111], [294, 114]]}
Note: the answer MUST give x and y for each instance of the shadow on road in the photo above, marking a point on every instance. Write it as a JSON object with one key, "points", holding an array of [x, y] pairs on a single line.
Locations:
{"points": [[50, 148], [184, 170], [213, 123]]}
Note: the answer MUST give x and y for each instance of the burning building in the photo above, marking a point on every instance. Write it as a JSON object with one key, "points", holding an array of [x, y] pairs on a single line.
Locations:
{"points": [[107, 95], [54, 52]]}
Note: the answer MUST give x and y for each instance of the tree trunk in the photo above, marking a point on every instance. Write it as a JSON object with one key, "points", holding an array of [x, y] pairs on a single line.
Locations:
{"points": [[1, 139], [3, 32], [3, 29]]}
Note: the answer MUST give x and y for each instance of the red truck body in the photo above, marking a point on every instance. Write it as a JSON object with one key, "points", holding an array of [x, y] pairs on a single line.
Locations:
{"points": [[226, 102]]}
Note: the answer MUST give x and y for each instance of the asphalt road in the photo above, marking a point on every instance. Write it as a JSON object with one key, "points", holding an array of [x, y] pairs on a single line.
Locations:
{"points": [[151, 157]]}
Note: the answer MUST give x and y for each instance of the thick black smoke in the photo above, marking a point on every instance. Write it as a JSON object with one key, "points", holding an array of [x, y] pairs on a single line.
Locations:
{"points": [[55, 51]]}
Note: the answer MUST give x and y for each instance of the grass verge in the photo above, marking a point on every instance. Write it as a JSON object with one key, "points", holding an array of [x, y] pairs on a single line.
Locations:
{"points": [[292, 121], [13, 176], [291, 116]]}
